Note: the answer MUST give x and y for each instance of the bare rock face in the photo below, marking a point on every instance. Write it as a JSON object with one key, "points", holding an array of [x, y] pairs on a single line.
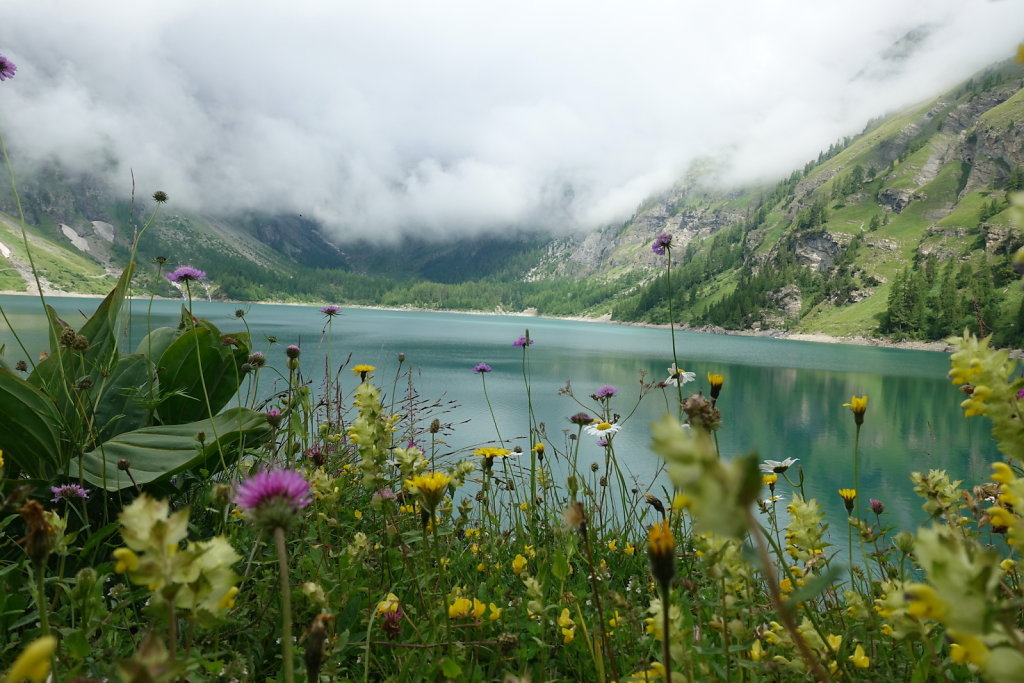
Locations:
{"points": [[897, 200], [817, 251], [789, 300]]}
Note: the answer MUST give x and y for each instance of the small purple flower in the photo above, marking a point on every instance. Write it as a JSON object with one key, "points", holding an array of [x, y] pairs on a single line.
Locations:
{"points": [[661, 243], [1020, 393], [877, 506], [603, 443], [274, 417], [413, 444], [523, 340], [581, 419], [68, 492], [272, 498], [7, 68], [606, 391], [331, 311], [292, 351], [482, 367], [185, 274]]}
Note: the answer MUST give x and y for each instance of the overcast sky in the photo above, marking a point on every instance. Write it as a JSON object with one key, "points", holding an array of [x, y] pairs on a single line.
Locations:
{"points": [[383, 116]]}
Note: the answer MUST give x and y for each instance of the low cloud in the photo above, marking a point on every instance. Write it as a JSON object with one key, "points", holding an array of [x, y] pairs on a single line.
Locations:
{"points": [[462, 117]]}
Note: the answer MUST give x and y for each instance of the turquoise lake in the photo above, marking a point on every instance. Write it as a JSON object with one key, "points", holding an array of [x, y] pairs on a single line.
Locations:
{"points": [[781, 398]]}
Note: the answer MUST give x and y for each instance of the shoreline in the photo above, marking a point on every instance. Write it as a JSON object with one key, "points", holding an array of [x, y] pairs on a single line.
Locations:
{"points": [[817, 337]]}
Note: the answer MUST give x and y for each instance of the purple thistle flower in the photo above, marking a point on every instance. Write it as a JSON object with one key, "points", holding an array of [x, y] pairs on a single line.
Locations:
{"points": [[7, 68], [186, 274], [273, 417], [331, 311], [661, 243], [482, 367], [606, 391], [68, 492], [581, 419], [292, 351], [272, 498], [877, 506], [522, 341]]}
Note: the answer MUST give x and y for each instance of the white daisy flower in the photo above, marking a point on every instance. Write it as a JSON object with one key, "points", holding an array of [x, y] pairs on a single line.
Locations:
{"points": [[598, 428], [776, 466], [677, 377]]}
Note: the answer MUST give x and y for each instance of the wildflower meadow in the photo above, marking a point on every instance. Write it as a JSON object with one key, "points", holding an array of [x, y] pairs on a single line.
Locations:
{"points": [[191, 508]]}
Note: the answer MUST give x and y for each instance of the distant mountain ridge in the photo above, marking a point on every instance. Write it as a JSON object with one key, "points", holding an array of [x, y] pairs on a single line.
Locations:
{"points": [[904, 230]]}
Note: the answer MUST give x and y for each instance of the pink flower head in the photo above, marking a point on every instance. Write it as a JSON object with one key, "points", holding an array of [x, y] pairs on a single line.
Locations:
{"points": [[185, 274], [606, 391], [68, 492], [581, 419], [482, 367], [272, 498], [877, 506], [523, 340], [661, 243], [331, 311]]}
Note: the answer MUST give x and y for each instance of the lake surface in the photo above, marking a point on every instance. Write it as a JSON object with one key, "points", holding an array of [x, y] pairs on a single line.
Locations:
{"points": [[781, 398]]}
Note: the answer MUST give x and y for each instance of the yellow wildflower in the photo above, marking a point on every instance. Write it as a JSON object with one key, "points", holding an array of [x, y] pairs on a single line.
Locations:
{"points": [[389, 605], [756, 651], [613, 545], [519, 564], [491, 452], [1000, 517], [661, 551], [127, 560], [463, 608], [848, 496], [630, 549], [358, 514], [615, 621], [858, 405], [770, 479], [968, 649], [859, 659], [431, 488], [227, 601], [362, 369], [925, 603], [524, 506], [34, 661], [1001, 473], [564, 620], [495, 612], [834, 641]]}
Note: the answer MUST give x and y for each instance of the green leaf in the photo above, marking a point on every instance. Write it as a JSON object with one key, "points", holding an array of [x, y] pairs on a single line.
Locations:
{"points": [[156, 342], [451, 668], [195, 360], [559, 566], [30, 430], [156, 453], [115, 400]]}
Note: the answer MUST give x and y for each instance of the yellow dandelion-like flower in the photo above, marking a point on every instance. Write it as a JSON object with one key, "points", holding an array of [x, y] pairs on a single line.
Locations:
{"points": [[362, 369], [848, 496], [431, 488], [491, 452], [661, 547], [858, 405]]}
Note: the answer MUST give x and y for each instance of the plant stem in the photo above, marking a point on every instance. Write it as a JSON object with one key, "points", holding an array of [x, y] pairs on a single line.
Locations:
{"points": [[286, 606]]}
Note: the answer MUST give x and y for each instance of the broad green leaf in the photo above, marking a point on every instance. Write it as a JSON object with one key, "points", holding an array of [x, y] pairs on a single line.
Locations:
{"points": [[199, 365], [116, 398], [30, 430], [102, 328], [155, 453], [156, 342]]}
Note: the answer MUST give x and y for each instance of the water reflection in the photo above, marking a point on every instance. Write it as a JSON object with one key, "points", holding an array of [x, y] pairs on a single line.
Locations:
{"points": [[781, 398]]}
